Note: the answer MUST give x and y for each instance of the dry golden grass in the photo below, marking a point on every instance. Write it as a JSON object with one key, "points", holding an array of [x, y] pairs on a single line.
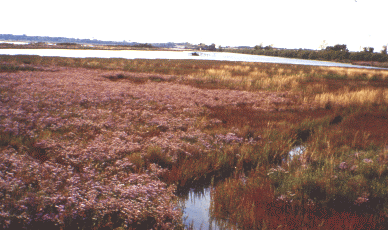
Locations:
{"points": [[353, 73], [219, 74], [252, 79], [258, 74], [244, 68], [364, 96], [309, 80], [280, 82]]}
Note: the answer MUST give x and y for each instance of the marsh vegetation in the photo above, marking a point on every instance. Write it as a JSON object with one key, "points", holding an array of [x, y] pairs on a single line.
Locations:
{"points": [[109, 143]]}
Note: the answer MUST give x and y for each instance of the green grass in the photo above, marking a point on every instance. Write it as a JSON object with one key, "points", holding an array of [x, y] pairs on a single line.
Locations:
{"points": [[15, 68]]}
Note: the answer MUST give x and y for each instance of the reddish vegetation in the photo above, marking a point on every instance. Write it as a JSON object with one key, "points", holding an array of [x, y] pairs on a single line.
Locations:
{"points": [[108, 145], [87, 130], [245, 115], [262, 210], [371, 63], [375, 123]]}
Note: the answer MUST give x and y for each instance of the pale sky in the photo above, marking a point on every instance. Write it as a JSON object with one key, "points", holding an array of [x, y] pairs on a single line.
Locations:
{"points": [[283, 23]]}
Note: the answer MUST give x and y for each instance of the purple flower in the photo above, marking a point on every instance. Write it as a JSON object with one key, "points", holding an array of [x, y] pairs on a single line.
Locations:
{"points": [[282, 197], [366, 160], [343, 165], [230, 137]]}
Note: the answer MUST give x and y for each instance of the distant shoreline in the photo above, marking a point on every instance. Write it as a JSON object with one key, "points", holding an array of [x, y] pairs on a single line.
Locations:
{"points": [[75, 46], [137, 48]]}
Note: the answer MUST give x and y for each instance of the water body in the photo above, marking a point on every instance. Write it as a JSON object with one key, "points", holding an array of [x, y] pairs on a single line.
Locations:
{"points": [[296, 151], [141, 54], [15, 43], [196, 207], [196, 210]]}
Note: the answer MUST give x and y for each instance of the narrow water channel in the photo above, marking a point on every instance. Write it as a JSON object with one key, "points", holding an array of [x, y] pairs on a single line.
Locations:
{"points": [[196, 203]]}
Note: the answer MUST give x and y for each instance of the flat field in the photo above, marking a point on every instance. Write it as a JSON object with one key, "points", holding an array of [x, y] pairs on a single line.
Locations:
{"points": [[107, 143]]}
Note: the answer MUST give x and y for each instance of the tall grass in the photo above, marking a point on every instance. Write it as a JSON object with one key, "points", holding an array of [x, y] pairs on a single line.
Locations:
{"points": [[360, 97], [337, 181], [251, 204]]}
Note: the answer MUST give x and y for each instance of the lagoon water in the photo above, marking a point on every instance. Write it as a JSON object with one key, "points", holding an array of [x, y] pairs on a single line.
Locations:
{"points": [[141, 54]]}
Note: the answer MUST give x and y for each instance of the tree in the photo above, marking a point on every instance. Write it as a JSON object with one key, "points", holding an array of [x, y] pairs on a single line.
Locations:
{"points": [[259, 47], [384, 50], [338, 47], [212, 47], [341, 48], [202, 46], [369, 49]]}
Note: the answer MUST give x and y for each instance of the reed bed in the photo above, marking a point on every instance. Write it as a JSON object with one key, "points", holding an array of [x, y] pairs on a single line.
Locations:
{"points": [[108, 143], [360, 97]]}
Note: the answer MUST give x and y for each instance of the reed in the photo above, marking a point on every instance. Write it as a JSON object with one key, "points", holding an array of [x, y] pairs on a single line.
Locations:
{"points": [[360, 97], [312, 199]]}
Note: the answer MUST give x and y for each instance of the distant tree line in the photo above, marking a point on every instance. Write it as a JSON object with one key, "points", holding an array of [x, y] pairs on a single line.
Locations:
{"points": [[57, 40], [211, 47], [143, 45], [62, 43], [330, 53]]}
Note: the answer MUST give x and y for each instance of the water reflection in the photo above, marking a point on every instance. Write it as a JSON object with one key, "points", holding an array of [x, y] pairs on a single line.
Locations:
{"points": [[196, 206], [195, 203], [296, 151]]}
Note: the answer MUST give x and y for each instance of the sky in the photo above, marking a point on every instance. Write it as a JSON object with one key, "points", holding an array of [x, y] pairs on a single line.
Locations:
{"points": [[281, 23]]}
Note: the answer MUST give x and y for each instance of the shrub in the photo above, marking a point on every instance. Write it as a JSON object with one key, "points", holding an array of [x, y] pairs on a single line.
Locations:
{"points": [[156, 155]]}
